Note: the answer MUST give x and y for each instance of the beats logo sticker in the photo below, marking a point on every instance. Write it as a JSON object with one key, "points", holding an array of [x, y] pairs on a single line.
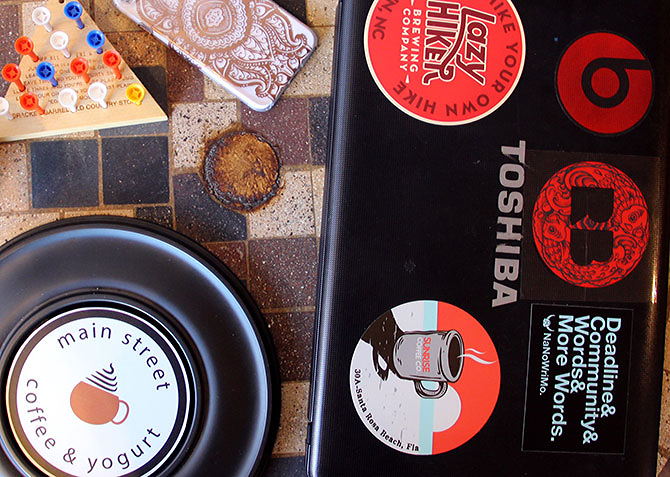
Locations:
{"points": [[604, 83], [591, 224]]}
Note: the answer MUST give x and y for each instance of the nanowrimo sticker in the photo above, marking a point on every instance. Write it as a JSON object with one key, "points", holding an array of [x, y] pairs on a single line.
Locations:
{"points": [[425, 377], [442, 62], [96, 391]]}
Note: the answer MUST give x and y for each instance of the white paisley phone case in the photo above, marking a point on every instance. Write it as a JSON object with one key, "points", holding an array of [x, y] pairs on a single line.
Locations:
{"points": [[253, 48]]}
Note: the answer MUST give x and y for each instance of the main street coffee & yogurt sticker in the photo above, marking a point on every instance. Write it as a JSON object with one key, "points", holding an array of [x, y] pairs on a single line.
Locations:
{"points": [[97, 391], [442, 62]]}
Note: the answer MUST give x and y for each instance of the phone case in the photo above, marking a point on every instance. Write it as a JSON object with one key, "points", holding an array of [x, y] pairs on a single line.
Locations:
{"points": [[480, 215], [251, 48]]}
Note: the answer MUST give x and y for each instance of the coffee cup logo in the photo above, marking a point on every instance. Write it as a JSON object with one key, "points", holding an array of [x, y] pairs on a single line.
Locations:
{"points": [[95, 403]]}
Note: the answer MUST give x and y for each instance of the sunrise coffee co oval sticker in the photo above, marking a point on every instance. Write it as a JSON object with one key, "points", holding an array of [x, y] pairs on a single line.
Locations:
{"points": [[425, 377], [442, 62], [98, 392]]}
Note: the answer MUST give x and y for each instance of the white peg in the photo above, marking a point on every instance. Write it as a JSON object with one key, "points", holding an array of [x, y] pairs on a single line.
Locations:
{"points": [[98, 93], [68, 99], [59, 41], [42, 17], [4, 109]]}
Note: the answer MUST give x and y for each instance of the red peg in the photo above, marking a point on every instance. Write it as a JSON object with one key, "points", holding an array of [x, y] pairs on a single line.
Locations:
{"points": [[30, 102], [24, 46], [79, 66], [112, 59], [12, 73]]}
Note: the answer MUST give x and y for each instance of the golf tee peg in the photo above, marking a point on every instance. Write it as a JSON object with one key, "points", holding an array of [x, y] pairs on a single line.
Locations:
{"points": [[12, 73], [135, 93], [98, 92], [4, 109], [30, 102], [24, 46], [59, 41], [73, 11], [46, 71], [79, 66], [68, 99], [96, 40], [42, 17], [112, 60]]}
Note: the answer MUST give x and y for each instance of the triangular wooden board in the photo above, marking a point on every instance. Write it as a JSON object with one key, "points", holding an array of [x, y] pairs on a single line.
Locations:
{"points": [[89, 115]]}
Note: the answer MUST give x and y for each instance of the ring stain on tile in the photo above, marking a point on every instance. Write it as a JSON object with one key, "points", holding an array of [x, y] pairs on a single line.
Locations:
{"points": [[233, 255], [282, 272], [14, 181], [64, 173], [135, 170], [200, 217], [292, 335], [290, 213], [160, 214], [285, 126]]}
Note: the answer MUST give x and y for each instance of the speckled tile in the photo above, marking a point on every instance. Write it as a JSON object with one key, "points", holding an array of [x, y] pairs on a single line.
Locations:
{"points": [[193, 125], [318, 125], [321, 12], [293, 420], [314, 79], [200, 217], [318, 179], [9, 26], [290, 213], [14, 179], [139, 48], [109, 19], [292, 335], [13, 225], [233, 255], [286, 127], [282, 272], [84, 213], [185, 82], [215, 92], [662, 463], [161, 214], [666, 365], [664, 440]]}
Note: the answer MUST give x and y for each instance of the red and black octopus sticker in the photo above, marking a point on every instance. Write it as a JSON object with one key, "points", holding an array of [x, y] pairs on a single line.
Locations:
{"points": [[591, 224]]}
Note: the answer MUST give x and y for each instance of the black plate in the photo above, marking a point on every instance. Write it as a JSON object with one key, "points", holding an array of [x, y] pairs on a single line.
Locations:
{"points": [[124, 263]]}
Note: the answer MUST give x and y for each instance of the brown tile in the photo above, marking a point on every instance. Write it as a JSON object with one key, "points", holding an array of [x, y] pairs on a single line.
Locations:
{"points": [[9, 26], [292, 335], [661, 464], [139, 48], [282, 272], [109, 19], [185, 82], [667, 343], [286, 127], [14, 181], [293, 419], [664, 439], [233, 255]]}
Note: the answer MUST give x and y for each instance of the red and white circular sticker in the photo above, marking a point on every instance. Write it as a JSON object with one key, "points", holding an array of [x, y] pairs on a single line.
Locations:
{"points": [[445, 62]]}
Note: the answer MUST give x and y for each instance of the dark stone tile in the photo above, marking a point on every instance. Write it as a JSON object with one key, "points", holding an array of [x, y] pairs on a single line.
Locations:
{"points": [[318, 125], [292, 335], [233, 254], [285, 126], [200, 217], [135, 170], [9, 26], [286, 467], [185, 82], [282, 272], [161, 215], [295, 7], [64, 173], [154, 79]]}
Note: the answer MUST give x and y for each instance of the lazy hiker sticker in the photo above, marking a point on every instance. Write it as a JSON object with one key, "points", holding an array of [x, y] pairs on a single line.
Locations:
{"points": [[425, 377], [442, 62]]}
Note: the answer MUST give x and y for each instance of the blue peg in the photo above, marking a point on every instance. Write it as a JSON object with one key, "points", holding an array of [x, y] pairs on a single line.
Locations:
{"points": [[96, 40], [46, 71], [73, 11]]}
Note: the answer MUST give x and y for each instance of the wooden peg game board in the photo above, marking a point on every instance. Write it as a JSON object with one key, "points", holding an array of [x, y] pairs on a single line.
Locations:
{"points": [[89, 116]]}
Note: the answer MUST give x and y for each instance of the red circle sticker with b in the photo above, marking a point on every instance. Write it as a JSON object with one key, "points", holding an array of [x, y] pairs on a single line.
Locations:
{"points": [[605, 83], [443, 62], [591, 224]]}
